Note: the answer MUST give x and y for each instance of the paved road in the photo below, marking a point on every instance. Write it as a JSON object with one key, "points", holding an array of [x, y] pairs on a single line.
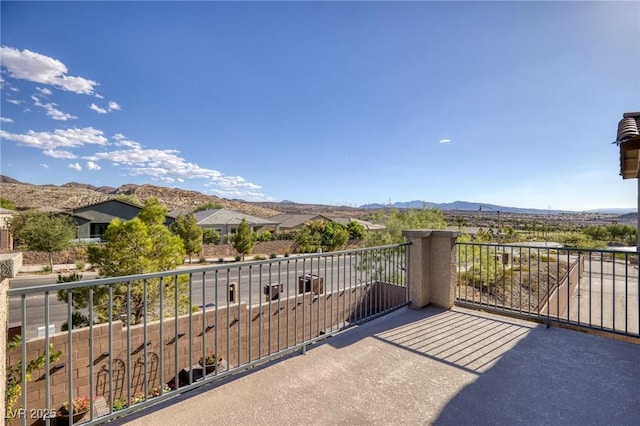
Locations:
{"points": [[341, 273]]}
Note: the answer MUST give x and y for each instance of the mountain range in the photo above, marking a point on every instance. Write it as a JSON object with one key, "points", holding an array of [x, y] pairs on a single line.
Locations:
{"points": [[475, 206], [74, 194]]}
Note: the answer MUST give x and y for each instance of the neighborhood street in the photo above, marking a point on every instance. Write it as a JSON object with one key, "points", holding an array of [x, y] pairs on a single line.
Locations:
{"points": [[337, 273]]}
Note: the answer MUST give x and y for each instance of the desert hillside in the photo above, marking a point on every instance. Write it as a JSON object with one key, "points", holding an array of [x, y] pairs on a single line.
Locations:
{"points": [[73, 195]]}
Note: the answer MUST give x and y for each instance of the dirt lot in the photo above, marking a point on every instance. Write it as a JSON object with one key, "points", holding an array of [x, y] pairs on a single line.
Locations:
{"points": [[522, 287]]}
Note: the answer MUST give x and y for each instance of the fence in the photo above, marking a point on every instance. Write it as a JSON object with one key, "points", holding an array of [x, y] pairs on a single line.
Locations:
{"points": [[145, 335], [597, 289]]}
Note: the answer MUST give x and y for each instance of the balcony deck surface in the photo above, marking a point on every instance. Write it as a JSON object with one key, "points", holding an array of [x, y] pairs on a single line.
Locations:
{"points": [[428, 366]]}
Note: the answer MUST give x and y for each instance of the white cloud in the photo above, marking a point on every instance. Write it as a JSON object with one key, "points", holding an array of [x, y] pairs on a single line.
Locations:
{"points": [[44, 91], [97, 109], [32, 66], [59, 153], [113, 106], [14, 101], [6, 120], [92, 166], [75, 166], [52, 111], [121, 140], [168, 166], [444, 140], [44, 165], [52, 142], [99, 96]]}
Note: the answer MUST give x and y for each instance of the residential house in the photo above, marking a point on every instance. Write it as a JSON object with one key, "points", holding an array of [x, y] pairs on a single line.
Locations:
{"points": [[227, 221], [369, 226], [291, 222], [92, 221]]}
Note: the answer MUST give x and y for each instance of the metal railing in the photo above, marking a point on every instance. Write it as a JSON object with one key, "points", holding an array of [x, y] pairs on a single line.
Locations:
{"points": [[596, 289], [136, 340]]}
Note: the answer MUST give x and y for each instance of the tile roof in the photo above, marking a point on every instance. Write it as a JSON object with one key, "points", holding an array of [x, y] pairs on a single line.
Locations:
{"points": [[224, 217], [628, 127], [628, 139], [369, 226], [289, 221]]}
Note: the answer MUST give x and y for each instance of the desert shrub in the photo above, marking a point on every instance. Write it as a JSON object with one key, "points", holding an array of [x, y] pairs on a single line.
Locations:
{"points": [[78, 319], [263, 236], [74, 276], [210, 236]]}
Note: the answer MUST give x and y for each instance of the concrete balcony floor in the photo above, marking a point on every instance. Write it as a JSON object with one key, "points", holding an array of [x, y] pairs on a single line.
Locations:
{"points": [[428, 366]]}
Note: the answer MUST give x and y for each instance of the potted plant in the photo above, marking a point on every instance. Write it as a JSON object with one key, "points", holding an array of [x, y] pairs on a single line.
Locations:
{"points": [[210, 361], [119, 404], [77, 409], [159, 391]]}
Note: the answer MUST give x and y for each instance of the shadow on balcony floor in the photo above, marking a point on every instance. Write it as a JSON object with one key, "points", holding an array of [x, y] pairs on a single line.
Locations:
{"points": [[430, 367]]}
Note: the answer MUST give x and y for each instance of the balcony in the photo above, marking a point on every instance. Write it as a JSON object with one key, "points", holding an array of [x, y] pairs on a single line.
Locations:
{"points": [[429, 366], [368, 358]]}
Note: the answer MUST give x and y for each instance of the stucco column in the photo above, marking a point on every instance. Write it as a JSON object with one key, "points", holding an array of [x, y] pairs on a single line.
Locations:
{"points": [[432, 267], [4, 313]]}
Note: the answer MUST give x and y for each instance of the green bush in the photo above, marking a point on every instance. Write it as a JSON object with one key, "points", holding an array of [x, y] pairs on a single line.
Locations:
{"points": [[210, 236], [273, 256], [74, 276]]}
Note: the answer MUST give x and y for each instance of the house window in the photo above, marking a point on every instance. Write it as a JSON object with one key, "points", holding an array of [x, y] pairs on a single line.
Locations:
{"points": [[98, 230]]}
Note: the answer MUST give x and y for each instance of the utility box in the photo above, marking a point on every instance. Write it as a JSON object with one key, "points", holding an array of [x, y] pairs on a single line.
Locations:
{"points": [[272, 291], [310, 283]]}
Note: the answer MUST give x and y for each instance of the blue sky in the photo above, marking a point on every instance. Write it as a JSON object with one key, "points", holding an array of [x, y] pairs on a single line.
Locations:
{"points": [[508, 103]]}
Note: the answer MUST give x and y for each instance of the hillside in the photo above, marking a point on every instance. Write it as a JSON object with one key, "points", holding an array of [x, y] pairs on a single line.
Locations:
{"points": [[73, 195], [300, 208]]}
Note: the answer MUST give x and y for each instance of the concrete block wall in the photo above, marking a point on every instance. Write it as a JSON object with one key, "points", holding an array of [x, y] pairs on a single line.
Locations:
{"points": [[10, 264]]}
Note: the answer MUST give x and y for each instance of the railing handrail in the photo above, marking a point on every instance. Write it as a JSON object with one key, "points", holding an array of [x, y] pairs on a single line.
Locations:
{"points": [[564, 248], [132, 349], [186, 270]]}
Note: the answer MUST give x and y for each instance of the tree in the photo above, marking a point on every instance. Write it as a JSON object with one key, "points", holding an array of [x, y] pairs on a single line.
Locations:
{"points": [[138, 246], [320, 235], [40, 231], [208, 206], [6, 203], [334, 236], [395, 221], [357, 231], [243, 241], [186, 227]]}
